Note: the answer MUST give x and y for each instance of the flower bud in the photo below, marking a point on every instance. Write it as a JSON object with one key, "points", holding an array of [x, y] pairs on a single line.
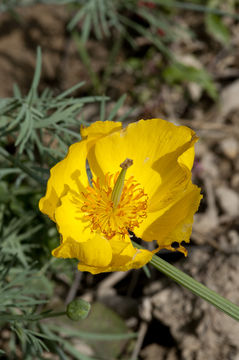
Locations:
{"points": [[78, 309]]}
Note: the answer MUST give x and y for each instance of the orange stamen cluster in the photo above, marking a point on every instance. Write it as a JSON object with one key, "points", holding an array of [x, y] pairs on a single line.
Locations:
{"points": [[109, 220]]}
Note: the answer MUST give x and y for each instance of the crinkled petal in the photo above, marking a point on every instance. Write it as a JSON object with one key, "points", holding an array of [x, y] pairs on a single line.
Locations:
{"points": [[96, 251], [129, 257], [145, 142], [71, 171], [124, 257], [174, 224], [68, 173], [187, 157], [97, 254], [174, 170], [141, 258], [70, 219], [99, 129]]}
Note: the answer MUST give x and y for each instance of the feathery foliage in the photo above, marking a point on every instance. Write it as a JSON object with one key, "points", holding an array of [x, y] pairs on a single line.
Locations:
{"points": [[35, 131]]}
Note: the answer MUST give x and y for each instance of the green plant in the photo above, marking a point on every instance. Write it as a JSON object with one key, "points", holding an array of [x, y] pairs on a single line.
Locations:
{"points": [[128, 21], [152, 20], [35, 131]]}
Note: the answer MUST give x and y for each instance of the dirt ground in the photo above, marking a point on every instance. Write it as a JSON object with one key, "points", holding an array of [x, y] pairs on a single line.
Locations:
{"points": [[173, 323]]}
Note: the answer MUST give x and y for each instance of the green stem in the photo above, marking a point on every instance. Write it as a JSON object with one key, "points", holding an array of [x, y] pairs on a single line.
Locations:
{"points": [[194, 286]]}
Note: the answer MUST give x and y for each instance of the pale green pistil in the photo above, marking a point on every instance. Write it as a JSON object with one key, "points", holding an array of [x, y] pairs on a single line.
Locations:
{"points": [[119, 185]]}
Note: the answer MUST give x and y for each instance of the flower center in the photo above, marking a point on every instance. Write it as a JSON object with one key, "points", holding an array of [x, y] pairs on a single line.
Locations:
{"points": [[115, 205]]}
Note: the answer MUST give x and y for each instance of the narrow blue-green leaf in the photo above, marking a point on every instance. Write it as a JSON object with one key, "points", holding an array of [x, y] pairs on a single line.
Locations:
{"points": [[86, 27], [36, 112], [102, 110], [195, 7], [117, 106], [17, 91], [46, 94], [69, 91], [89, 99], [60, 115], [102, 15], [37, 73], [77, 17], [24, 129], [7, 105], [96, 22], [29, 128], [18, 118], [68, 131]]}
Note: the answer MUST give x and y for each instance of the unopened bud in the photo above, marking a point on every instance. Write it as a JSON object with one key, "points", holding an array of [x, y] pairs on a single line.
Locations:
{"points": [[78, 309]]}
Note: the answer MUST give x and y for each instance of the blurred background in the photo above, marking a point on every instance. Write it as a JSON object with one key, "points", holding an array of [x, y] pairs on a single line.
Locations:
{"points": [[67, 63]]}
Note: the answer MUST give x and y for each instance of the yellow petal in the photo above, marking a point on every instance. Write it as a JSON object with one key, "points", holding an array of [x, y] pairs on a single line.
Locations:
{"points": [[174, 170], [141, 258], [68, 173], [144, 142], [70, 219], [187, 158], [174, 224], [71, 171], [129, 257], [125, 257], [97, 254], [100, 129], [96, 251]]}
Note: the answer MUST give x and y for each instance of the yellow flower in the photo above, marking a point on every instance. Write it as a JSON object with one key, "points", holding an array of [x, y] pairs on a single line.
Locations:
{"points": [[141, 182]]}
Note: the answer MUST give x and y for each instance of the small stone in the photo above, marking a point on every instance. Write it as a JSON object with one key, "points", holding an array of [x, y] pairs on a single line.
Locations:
{"points": [[146, 309], [230, 147], [153, 352], [233, 238], [225, 168], [209, 165], [229, 200], [235, 181]]}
